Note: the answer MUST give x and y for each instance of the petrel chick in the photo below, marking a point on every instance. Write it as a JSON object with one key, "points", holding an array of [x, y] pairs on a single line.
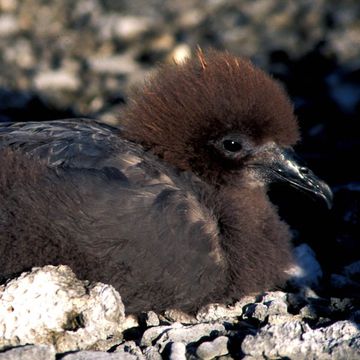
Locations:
{"points": [[171, 208]]}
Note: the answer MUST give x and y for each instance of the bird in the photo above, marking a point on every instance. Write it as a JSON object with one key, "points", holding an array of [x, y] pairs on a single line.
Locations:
{"points": [[171, 207]]}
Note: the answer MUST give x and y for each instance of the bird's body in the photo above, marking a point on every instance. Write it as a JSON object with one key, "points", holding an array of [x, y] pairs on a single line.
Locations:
{"points": [[168, 228]]}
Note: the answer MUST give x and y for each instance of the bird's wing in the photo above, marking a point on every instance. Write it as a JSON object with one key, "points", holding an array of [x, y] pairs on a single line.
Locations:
{"points": [[71, 142], [139, 218], [85, 144]]}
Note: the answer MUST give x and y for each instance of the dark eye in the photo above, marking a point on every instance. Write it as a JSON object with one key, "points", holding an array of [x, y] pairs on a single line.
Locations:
{"points": [[232, 145]]}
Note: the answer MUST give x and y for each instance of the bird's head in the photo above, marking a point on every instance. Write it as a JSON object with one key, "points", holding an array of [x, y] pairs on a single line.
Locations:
{"points": [[223, 119]]}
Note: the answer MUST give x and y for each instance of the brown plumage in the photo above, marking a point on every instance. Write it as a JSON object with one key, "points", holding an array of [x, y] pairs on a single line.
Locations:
{"points": [[171, 209], [183, 106]]}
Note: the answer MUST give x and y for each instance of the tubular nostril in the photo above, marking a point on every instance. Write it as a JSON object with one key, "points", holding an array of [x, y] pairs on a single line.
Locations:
{"points": [[304, 170]]}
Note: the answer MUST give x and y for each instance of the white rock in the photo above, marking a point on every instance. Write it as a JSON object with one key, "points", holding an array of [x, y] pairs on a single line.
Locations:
{"points": [[115, 64], [130, 348], [129, 27], [296, 340], [179, 316], [8, 5], [8, 25], [151, 353], [20, 53], [189, 334], [273, 303], [56, 80], [211, 349], [274, 296], [151, 319], [177, 351], [191, 17], [181, 53], [123, 27], [215, 312], [51, 306], [154, 332], [30, 352], [307, 271], [97, 355]]}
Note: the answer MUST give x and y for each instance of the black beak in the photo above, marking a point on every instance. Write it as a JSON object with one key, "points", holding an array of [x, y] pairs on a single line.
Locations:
{"points": [[277, 164]]}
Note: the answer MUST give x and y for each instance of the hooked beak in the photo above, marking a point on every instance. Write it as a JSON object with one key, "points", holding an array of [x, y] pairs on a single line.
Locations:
{"points": [[278, 164]]}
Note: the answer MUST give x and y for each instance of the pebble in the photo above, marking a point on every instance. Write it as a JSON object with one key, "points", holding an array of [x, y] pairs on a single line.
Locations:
{"points": [[97, 355], [57, 80], [151, 319], [8, 5], [180, 53], [8, 25], [211, 349], [30, 352], [177, 351], [296, 340], [113, 65]]}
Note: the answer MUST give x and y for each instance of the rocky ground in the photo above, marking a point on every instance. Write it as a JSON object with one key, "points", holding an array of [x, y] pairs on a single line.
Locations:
{"points": [[78, 320], [63, 58]]}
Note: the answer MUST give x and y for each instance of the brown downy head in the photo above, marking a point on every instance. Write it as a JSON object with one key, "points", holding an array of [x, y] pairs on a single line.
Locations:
{"points": [[217, 115]]}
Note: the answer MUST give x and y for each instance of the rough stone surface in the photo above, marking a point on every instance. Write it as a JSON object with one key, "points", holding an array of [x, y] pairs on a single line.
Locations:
{"points": [[273, 303], [215, 312], [97, 355], [151, 353], [153, 333], [174, 315], [129, 348], [30, 352], [307, 270], [51, 306], [150, 319], [190, 334], [177, 351], [180, 333], [211, 349], [296, 340]]}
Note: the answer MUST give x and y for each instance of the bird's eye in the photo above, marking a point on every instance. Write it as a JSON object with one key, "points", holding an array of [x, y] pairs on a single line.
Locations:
{"points": [[232, 145]]}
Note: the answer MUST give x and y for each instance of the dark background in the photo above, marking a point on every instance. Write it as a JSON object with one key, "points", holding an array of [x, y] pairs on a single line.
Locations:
{"points": [[68, 58]]}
